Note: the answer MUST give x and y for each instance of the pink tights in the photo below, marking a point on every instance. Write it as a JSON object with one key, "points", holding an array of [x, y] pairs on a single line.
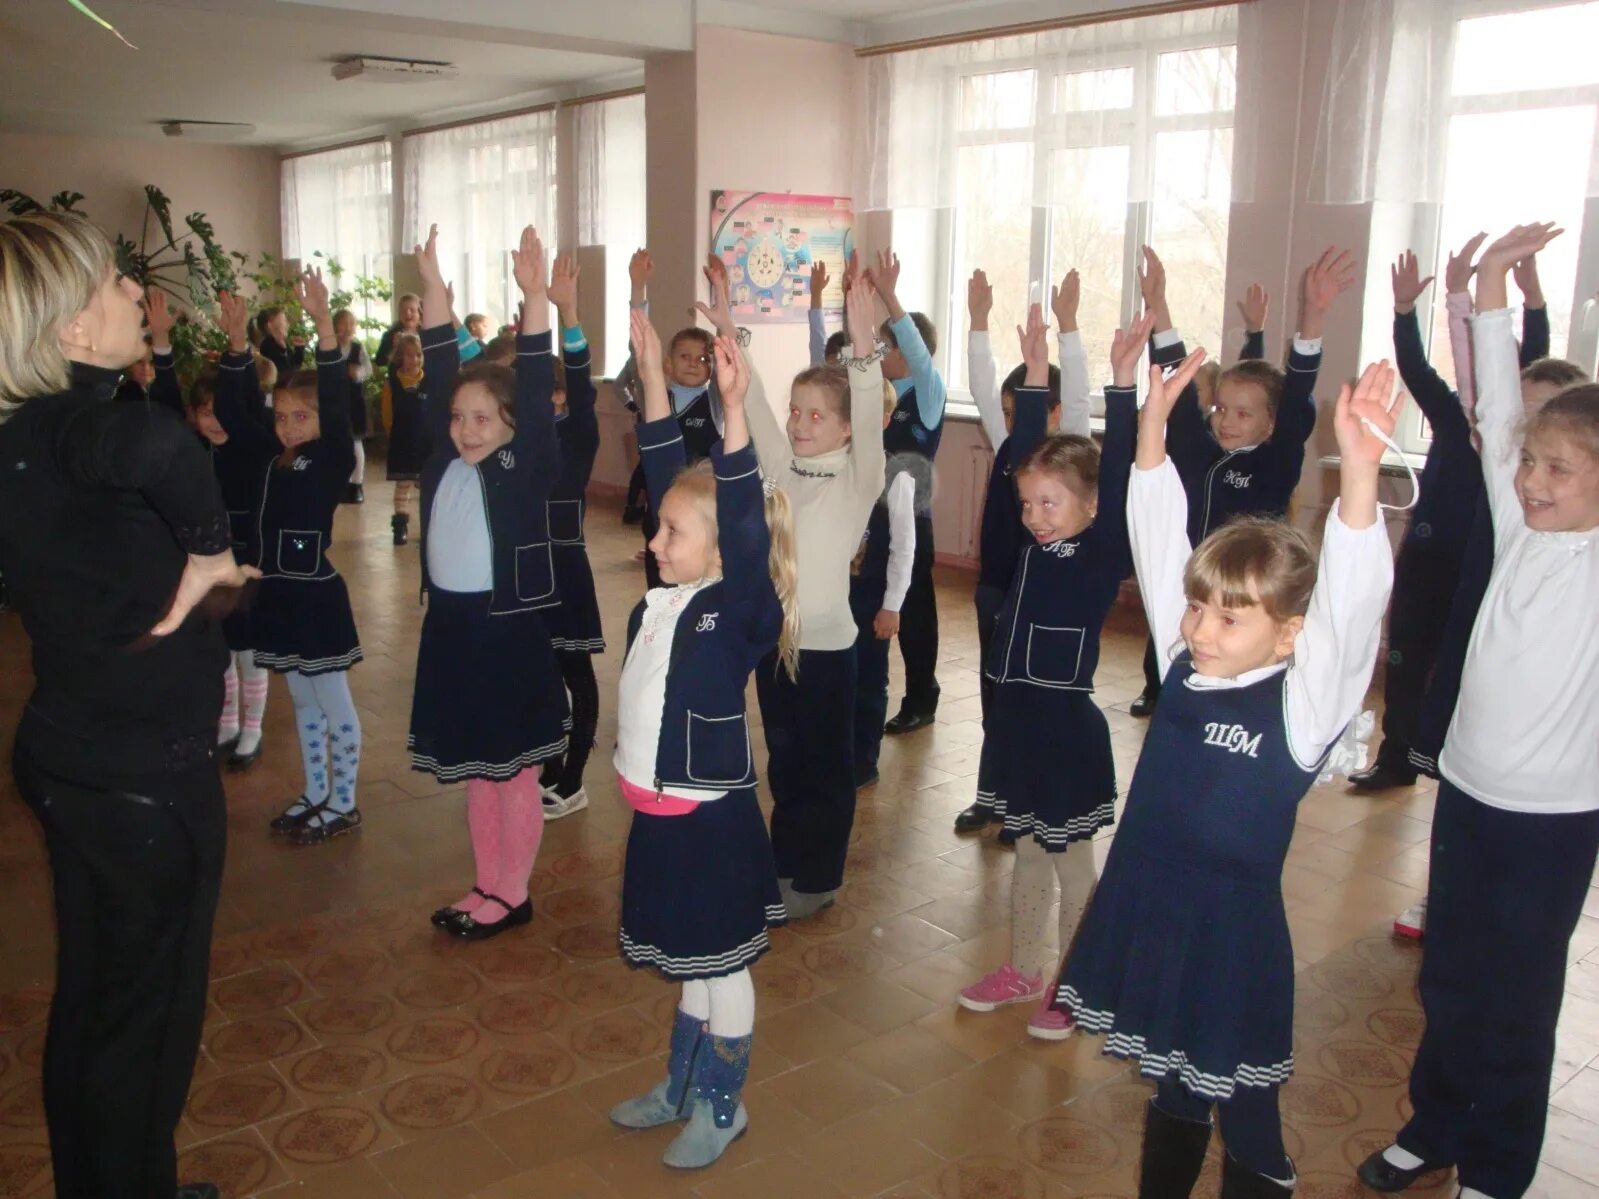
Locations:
{"points": [[506, 821]]}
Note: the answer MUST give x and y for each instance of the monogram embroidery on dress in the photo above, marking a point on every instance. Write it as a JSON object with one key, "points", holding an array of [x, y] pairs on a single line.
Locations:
{"points": [[300, 463], [1061, 549], [507, 459], [707, 623], [1236, 479], [1234, 738], [902, 415]]}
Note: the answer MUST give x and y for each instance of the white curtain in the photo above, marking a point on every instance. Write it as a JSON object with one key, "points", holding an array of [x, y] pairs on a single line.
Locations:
{"points": [[1067, 89], [338, 204], [610, 176], [481, 183]]}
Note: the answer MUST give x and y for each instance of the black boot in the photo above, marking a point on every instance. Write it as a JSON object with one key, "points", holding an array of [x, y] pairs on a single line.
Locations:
{"points": [[1238, 1182], [401, 523], [1144, 706], [1384, 776], [1174, 1153]]}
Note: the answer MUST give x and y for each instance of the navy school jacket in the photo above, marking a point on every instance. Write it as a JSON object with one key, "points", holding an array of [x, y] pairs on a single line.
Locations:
{"points": [[579, 434], [725, 630], [292, 506], [1003, 537], [517, 478]]}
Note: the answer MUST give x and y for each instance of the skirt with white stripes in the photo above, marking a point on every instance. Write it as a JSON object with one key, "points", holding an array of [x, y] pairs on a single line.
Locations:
{"points": [[574, 623], [700, 890], [1047, 754], [489, 699], [1187, 968], [304, 625]]}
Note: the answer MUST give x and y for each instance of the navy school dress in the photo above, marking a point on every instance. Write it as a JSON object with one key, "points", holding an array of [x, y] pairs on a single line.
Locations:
{"points": [[301, 618], [489, 701], [699, 890], [1047, 747], [1184, 959], [575, 624], [409, 425]]}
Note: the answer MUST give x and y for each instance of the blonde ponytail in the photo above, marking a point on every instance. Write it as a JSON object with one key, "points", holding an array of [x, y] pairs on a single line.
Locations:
{"points": [[782, 563]]}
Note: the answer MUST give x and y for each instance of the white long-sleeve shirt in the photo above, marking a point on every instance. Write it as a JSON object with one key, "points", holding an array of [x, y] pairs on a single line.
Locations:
{"points": [[1525, 735], [901, 502], [1336, 650], [983, 377]]}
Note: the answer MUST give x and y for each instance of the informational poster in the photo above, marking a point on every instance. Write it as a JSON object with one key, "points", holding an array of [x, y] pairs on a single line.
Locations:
{"points": [[769, 241]]}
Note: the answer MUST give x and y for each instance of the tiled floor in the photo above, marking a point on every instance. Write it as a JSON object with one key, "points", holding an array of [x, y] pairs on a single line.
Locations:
{"points": [[354, 1052]]}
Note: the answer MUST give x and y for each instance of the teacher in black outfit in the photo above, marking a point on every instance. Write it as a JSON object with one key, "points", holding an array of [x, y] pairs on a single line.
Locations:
{"points": [[112, 532]]}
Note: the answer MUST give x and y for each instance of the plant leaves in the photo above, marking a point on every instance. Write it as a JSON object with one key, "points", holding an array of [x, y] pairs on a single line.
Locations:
{"points": [[19, 203], [100, 21], [162, 207]]}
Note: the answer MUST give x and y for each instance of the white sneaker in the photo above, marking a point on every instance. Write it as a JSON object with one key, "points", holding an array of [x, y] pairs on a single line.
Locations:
{"points": [[556, 805], [1412, 922]]}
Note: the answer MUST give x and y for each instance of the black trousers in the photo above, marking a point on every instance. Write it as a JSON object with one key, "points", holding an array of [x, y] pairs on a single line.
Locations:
{"points": [[577, 669], [651, 526], [136, 875], [918, 627], [1424, 587], [989, 601], [1250, 1123], [871, 673], [1505, 894], [810, 764]]}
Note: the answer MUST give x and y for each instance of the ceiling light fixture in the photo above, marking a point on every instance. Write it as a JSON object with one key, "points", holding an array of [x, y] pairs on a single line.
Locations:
{"points": [[378, 68]]}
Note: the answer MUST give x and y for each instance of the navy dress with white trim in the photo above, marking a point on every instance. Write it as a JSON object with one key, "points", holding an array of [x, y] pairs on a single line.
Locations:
{"points": [[575, 623]]}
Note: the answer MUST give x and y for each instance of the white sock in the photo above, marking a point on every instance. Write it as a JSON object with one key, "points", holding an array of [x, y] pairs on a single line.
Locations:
{"points": [[248, 740], [1403, 1159]]}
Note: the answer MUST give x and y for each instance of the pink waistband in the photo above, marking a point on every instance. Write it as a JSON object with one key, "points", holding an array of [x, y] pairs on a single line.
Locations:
{"points": [[653, 803]]}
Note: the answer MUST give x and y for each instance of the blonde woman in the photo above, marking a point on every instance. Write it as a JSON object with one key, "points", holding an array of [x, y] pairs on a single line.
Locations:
{"points": [[112, 530]]}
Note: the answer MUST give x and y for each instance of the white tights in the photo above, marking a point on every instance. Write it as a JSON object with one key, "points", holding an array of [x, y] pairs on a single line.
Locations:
{"points": [[1032, 893], [726, 1004]]}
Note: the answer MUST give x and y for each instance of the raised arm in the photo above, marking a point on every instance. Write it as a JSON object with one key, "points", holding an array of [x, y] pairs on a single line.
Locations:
{"points": [[332, 381], [1534, 312], [235, 380], [814, 315], [1253, 308], [1115, 469], [929, 384], [982, 376], [1030, 422], [441, 352], [164, 389], [771, 441], [535, 363], [1336, 649], [867, 459], [575, 356], [1076, 404], [660, 440], [1432, 394]]}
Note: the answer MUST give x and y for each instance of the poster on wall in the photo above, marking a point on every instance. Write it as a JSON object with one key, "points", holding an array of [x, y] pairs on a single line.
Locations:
{"points": [[769, 241]]}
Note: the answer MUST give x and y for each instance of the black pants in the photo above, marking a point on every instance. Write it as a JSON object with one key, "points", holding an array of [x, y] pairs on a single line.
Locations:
{"points": [[1250, 1124], [871, 673], [577, 669], [1424, 587], [136, 877], [810, 764], [1152, 671], [918, 627], [651, 526], [1504, 897], [989, 601]]}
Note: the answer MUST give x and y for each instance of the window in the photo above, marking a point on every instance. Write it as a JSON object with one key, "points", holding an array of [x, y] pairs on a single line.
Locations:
{"points": [[1075, 161], [1523, 86], [338, 204], [610, 203]]}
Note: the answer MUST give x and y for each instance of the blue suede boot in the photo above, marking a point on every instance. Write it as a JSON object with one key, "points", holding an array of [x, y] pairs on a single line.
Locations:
{"points": [[667, 1102], [717, 1118]]}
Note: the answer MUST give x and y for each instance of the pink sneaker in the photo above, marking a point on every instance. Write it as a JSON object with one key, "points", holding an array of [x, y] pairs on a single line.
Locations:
{"points": [[1047, 1024], [1005, 985], [1412, 922]]}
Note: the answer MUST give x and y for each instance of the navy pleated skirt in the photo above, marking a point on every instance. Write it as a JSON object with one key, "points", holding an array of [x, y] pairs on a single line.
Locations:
{"points": [[699, 891], [574, 623], [304, 625], [489, 698], [1047, 754]]}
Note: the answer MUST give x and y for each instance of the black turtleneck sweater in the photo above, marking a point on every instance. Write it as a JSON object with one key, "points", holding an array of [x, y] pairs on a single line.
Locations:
{"points": [[100, 504]]}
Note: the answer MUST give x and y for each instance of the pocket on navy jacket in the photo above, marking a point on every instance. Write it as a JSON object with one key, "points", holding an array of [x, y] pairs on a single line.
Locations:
{"points": [[299, 552], [718, 750], [535, 576], [566, 522], [1054, 655]]}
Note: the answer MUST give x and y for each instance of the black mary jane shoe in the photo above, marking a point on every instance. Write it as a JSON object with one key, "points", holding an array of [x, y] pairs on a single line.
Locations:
{"points": [[974, 819], [446, 916], [285, 822], [225, 748], [1380, 1174], [237, 762], [468, 929], [327, 827], [1144, 706]]}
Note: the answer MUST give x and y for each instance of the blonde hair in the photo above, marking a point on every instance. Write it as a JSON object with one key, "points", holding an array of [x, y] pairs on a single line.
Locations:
{"points": [[833, 380], [51, 266], [405, 339], [1573, 413], [698, 483], [1255, 553], [266, 374], [890, 399]]}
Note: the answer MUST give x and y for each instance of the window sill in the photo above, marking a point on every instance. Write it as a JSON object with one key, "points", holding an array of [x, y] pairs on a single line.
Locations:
{"points": [[1393, 465]]}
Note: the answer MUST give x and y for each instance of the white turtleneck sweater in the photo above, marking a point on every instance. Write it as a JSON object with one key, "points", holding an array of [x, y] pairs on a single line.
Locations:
{"points": [[1525, 736], [832, 496]]}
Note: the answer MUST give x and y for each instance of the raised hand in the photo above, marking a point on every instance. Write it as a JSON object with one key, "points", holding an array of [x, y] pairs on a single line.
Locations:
{"points": [[312, 293], [639, 270], [651, 364], [819, 282], [732, 373], [852, 268], [979, 300], [160, 318], [1324, 281], [885, 277], [1253, 308], [1127, 347], [1521, 242], [1371, 399], [427, 259], [860, 315], [1152, 287], [563, 288], [1526, 275], [527, 264], [1035, 347], [719, 311], [1408, 283], [1163, 394], [1461, 265], [1063, 301], [233, 318]]}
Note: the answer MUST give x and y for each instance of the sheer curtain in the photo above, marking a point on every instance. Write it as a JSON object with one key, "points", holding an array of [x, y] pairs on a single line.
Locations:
{"points": [[1068, 89], [337, 203], [610, 201], [481, 183]]}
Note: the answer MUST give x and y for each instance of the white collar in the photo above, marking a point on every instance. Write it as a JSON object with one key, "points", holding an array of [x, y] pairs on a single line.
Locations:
{"points": [[1206, 682], [821, 466]]}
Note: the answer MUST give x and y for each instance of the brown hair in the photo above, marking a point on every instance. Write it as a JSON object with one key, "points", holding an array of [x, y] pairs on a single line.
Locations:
{"points": [[923, 326], [203, 391], [301, 387], [1069, 457], [1018, 378], [691, 333], [1573, 413], [1260, 374], [1252, 552], [266, 373], [500, 381], [501, 351], [404, 339], [1556, 372], [834, 380]]}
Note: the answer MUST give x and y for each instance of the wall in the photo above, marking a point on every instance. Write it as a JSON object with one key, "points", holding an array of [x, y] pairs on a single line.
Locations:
{"points": [[236, 187]]}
